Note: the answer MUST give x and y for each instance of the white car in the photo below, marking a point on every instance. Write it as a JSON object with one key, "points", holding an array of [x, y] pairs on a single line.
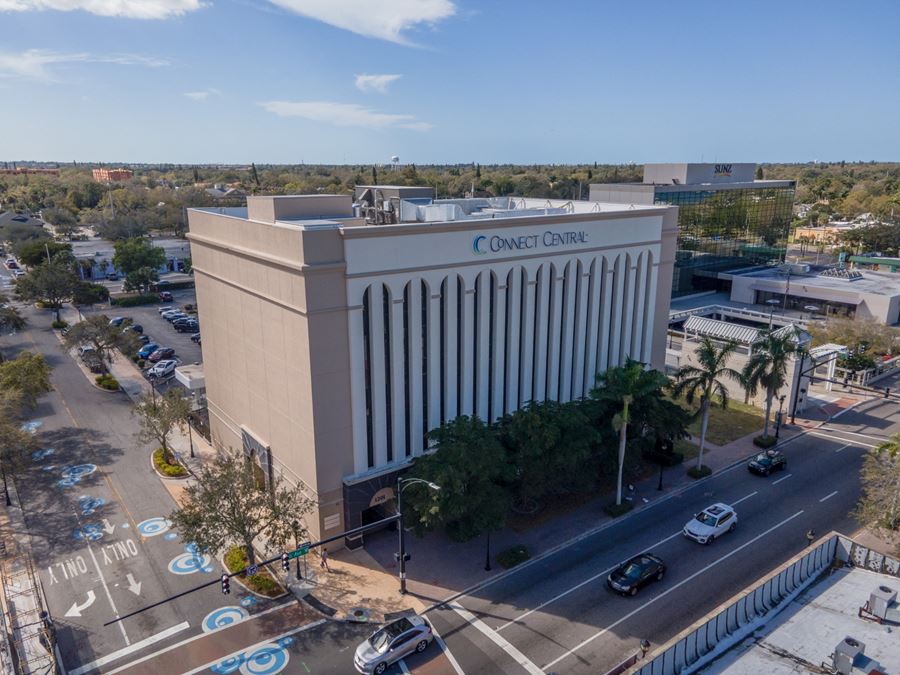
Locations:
{"points": [[163, 369], [711, 523], [19, 273]]}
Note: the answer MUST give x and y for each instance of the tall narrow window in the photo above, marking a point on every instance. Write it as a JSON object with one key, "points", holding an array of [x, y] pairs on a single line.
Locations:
{"points": [[406, 382], [370, 445], [426, 299], [388, 369]]}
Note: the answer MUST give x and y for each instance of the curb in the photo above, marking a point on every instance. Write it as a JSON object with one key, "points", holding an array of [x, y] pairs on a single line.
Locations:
{"points": [[600, 528]]}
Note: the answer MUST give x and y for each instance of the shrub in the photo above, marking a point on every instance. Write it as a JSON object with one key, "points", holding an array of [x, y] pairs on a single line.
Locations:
{"points": [[699, 472], [87, 293], [135, 300], [141, 363], [107, 381], [166, 469], [59, 325], [513, 556], [764, 441], [616, 510], [263, 583]]}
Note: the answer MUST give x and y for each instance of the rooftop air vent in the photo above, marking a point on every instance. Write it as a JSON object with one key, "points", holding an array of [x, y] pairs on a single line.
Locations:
{"points": [[880, 601], [839, 273], [844, 654]]}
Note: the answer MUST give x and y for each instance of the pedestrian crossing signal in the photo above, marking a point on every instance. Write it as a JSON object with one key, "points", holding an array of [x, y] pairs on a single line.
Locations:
{"points": [[226, 584]]}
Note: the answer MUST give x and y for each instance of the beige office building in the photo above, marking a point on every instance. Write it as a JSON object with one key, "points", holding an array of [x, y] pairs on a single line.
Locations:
{"points": [[338, 331]]}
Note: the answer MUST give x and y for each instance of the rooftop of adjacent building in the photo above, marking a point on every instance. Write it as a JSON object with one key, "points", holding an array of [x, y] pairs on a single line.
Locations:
{"points": [[829, 277], [807, 632], [402, 205], [693, 176]]}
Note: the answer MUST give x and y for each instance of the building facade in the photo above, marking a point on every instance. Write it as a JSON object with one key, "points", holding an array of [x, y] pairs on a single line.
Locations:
{"points": [[102, 175], [336, 335], [726, 219]]}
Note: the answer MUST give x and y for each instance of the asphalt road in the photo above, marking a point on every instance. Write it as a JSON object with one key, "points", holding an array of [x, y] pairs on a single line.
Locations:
{"points": [[557, 615], [96, 513]]}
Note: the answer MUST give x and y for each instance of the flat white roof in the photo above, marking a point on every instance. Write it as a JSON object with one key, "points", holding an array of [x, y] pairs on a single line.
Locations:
{"points": [[805, 633], [872, 283]]}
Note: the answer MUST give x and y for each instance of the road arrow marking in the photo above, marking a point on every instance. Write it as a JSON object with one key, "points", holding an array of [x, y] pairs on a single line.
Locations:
{"points": [[133, 586], [75, 609], [109, 529]]}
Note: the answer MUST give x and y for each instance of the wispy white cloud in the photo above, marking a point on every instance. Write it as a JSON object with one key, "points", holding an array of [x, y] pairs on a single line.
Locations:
{"points": [[202, 95], [379, 83], [383, 19], [344, 115], [130, 9], [37, 64]]}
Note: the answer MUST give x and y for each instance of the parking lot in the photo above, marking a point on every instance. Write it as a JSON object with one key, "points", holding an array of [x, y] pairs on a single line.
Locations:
{"points": [[157, 328]]}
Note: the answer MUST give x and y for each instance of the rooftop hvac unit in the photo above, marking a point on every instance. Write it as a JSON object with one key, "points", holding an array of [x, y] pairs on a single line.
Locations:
{"points": [[844, 654], [880, 601], [798, 268]]}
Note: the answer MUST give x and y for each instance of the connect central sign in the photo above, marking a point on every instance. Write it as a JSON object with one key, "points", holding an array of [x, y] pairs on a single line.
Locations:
{"points": [[483, 244]]}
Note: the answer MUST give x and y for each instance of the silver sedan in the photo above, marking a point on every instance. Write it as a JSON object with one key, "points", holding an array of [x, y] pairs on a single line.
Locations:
{"points": [[392, 642]]}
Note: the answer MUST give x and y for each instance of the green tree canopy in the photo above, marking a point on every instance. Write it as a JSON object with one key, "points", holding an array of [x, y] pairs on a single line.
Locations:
{"points": [[226, 506], [469, 464], [137, 253], [160, 416], [105, 339], [52, 283], [767, 366], [35, 252], [10, 318], [879, 506], [28, 374], [15, 442]]}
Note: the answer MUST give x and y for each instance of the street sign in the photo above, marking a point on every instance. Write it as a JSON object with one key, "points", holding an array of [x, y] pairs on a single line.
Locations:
{"points": [[303, 550], [252, 570]]}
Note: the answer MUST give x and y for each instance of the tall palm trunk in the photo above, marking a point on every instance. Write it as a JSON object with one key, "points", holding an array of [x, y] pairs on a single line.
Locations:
{"points": [[622, 440], [704, 422], [769, 395]]}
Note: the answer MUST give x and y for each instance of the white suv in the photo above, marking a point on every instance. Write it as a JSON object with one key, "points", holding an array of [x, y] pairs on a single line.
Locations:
{"points": [[711, 523]]}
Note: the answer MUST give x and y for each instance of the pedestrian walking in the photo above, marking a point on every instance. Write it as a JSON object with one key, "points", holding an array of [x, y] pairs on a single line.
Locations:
{"points": [[323, 563], [810, 537]]}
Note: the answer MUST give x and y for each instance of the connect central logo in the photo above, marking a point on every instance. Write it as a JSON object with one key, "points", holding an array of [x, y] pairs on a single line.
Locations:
{"points": [[476, 244]]}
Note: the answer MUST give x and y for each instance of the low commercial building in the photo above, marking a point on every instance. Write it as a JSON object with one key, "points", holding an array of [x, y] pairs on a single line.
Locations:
{"points": [[726, 218], [102, 175], [337, 334], [829, 291]]}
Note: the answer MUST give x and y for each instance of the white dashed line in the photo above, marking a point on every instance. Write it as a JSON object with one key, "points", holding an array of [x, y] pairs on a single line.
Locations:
{"points": [[828, 496], [776, 482]]}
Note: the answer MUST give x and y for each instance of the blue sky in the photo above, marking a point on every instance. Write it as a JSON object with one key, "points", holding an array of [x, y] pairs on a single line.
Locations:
{"points": [[445, 81]]}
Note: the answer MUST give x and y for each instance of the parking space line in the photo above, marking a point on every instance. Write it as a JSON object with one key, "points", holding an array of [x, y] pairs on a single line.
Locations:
{"points": [[601, 574], [785, 477], [828, 496], [496, 638], [669, 590], [844, 447]]}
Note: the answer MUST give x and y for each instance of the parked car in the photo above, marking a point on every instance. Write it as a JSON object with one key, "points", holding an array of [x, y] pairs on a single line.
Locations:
{"points": [[18, 274], [12, 264], [188, 326], [135, 328], [195, 338], [112, 276], [86, 351], [711, 523], [163, 368], [392, 642], [117, 321], [160, 354], [632, 575], [165, 308], [176, 314], [166, 296], [767, 462], [143, 339], [145, 351]]}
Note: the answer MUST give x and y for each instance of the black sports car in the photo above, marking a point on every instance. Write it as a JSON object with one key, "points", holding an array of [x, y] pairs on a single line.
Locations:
{"points": [[767, 462], [636, 573]]}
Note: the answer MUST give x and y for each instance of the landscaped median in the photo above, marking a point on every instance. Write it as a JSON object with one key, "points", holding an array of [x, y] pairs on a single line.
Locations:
{"points": [[261, 583], [165, 468]]}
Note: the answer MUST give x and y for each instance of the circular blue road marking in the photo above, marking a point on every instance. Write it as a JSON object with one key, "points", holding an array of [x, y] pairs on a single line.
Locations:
{"points": [[170, 536], [154, 526], [224, 616], [286, 641], [266, 660], [188, 563], [38, 455], [32, 427], [88, 532], [249, 601], [229, 665]]}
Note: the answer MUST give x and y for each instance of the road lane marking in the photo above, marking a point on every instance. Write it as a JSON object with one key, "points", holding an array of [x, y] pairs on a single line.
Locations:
{"points": [[880, 439], [603, 573], [198, 636], [146, 642], [246, 649], [828, 496], [403, 668], [844, 447], [785, 477], [496, 638], [670, 590], [447, 652], [838, 438]]}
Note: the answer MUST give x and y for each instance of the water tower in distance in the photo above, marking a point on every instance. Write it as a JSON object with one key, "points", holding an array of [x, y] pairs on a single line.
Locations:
{"points": [[395, 163]]}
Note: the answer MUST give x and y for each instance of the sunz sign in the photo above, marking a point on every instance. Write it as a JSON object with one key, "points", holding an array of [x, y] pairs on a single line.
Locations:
{"points": [[723, 169], [483, 244]]}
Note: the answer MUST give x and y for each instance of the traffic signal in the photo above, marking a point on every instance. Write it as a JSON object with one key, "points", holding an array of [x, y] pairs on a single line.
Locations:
{"points": [[226, 584], [887, 392], [285, 562]]}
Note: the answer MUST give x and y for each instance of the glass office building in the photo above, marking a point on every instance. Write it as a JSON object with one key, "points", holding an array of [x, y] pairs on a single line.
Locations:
{"points": [[726, 219]]}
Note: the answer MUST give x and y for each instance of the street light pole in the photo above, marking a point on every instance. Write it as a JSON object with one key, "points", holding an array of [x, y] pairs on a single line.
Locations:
{"points": [[487, 553], [401, 485], [797, 388], [780, 416]]}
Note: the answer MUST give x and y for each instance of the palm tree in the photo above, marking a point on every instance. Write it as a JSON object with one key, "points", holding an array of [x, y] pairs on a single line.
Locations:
{"points": [[706, 380], [767, 366], [628, 385]]}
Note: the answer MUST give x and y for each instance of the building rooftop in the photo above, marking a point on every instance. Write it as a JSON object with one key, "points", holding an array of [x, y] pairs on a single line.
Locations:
{"points": [[806, 632], [856, 281]]}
